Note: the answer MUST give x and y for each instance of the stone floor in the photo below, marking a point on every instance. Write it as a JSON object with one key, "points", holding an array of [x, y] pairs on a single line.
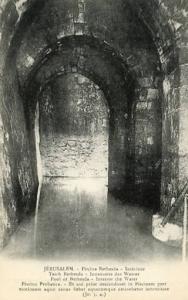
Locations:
{"points": [[79, 220]]}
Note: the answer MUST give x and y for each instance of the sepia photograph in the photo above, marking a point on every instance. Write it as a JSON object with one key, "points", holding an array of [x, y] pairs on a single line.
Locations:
{"points": [[93, 149]]}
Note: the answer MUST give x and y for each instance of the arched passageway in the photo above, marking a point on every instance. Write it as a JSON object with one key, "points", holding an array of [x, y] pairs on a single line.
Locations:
{"points": [[97, 62], [129, 51], [74, 129]]}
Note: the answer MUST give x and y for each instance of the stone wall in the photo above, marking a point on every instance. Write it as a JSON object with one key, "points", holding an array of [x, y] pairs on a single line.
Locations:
{"points": [[134, 127], [74, 128], [116, 25], [75, 156], [148, 129], [18, 182], [151, 37], [64, 154]]}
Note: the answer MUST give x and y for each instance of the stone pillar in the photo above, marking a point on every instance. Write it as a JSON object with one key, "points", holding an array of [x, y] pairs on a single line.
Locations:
{"points": [[175, 134], [175, 146], [170, 136], [117, 152], [183, 122]]}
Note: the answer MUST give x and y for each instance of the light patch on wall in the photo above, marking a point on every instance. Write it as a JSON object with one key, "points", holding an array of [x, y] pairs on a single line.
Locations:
{"points": [[20, 6], [166, 86], [61, 35], [70, 27], [7, 136], [3, 3], [152, 94], [141, 105], [176, 25], [150, 140], [37, 139], [185, 13], [29, 61]]}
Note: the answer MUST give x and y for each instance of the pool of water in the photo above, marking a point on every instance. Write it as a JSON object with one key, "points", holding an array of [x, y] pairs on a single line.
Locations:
{"points": [[78, 219]]}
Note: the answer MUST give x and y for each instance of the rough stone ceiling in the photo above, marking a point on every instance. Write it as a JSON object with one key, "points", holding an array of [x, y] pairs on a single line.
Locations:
{"points": [[113, 22], [122, 24]]}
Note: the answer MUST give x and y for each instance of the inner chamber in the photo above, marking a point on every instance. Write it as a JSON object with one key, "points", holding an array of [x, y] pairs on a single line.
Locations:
{"points": [[74, 126], [74, 137], [81, 153]]}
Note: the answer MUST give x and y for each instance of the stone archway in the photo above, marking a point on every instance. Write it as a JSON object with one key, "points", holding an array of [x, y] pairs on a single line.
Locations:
{"points": [[162, 32], [74, 128], [110, 75]]}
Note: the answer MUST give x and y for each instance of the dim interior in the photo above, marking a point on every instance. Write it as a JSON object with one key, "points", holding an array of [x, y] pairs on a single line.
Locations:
{"points": [[90, 126]]}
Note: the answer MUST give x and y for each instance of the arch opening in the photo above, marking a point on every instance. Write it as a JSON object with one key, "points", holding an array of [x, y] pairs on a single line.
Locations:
{"points": [[145, 158], [74, 128], [78, 57]]}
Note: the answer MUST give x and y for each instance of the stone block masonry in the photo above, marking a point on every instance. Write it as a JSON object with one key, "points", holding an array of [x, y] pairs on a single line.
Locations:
{"points": [[74, 129]]}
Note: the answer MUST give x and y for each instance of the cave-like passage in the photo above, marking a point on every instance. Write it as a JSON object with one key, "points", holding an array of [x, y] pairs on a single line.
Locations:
{"points": [[77, 218], [122, 45], [73, 128]]}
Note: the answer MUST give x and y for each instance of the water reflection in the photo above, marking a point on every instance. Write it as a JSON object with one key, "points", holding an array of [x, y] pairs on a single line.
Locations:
{"points": [[72, 216], [79, 219]]}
